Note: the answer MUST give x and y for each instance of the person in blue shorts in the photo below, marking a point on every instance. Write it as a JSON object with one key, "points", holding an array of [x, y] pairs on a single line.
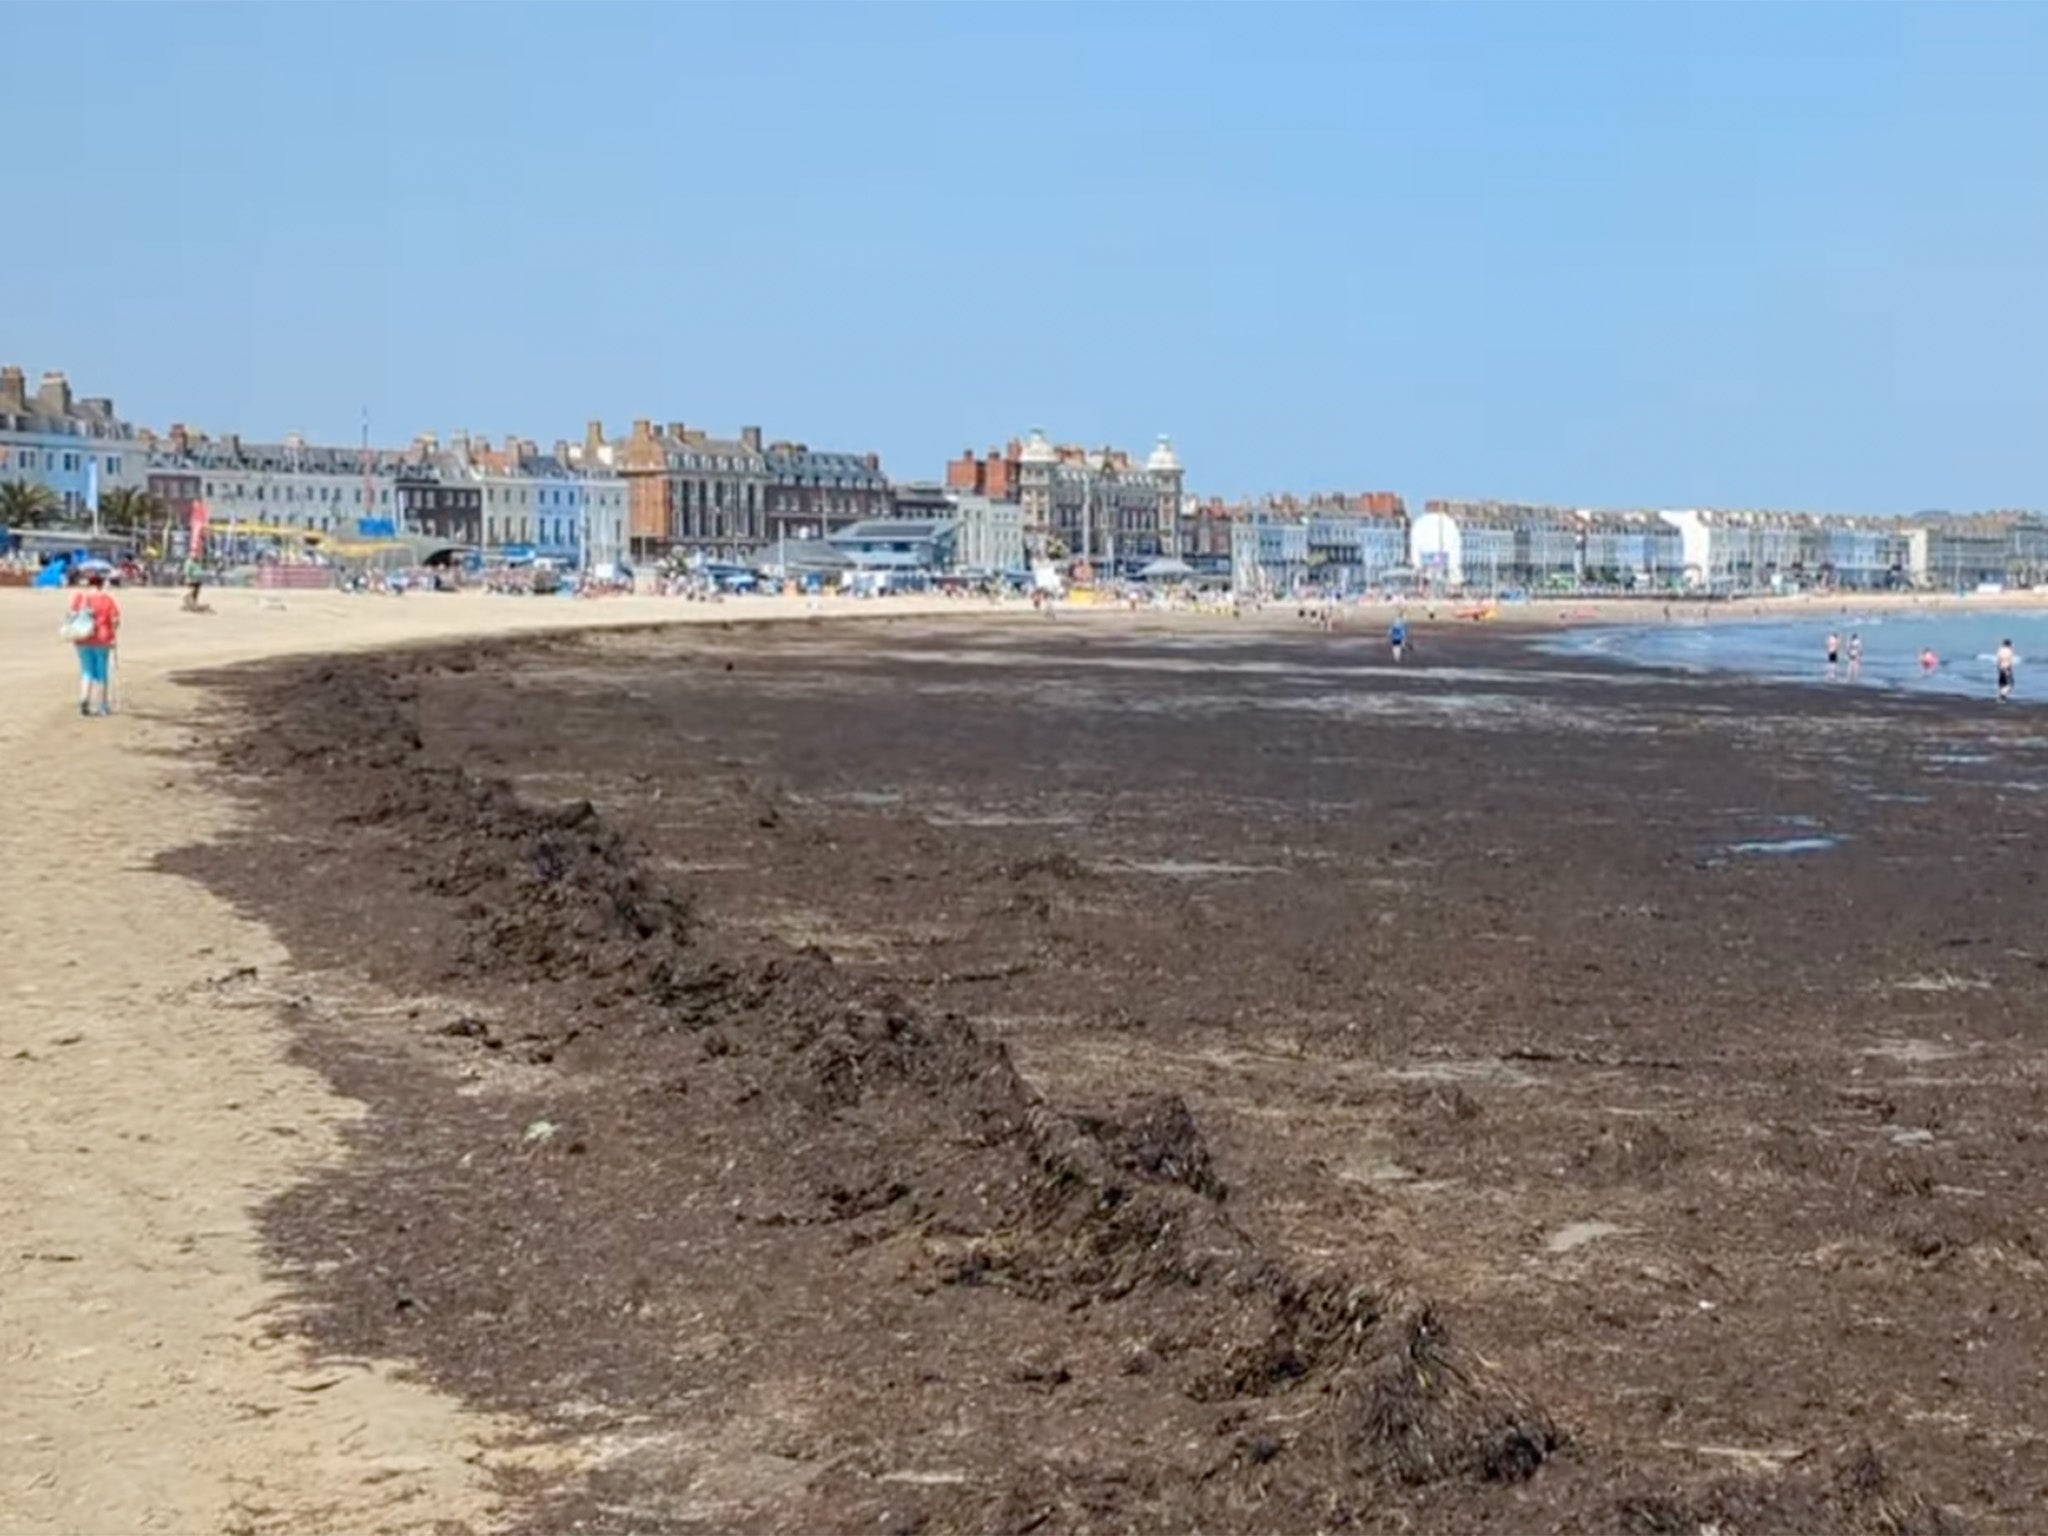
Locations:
{"points": [[95, 646], [1397, 637]]}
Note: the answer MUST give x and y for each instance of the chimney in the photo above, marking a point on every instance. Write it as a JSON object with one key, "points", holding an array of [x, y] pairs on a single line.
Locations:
{"points": [[643, 430], [751, 436], [13, 390], [873, 462], [53, 395], [232, 442], [677, 430], [181, 440]]}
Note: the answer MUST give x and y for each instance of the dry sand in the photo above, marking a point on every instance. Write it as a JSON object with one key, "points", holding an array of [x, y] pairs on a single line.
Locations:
{"points": [[148, 1378]]}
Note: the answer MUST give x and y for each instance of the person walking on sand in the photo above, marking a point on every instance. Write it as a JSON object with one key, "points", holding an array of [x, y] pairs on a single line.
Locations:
{"points": [[1834, 653], [2005, 665], [94, 629]]}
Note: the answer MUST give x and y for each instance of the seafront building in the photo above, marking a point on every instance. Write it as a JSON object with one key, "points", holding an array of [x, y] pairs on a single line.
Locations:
{"points": [[512, 502], [290, 485], [74, 448], [730, 498], [812, 494], [1988, 549], [1501, 546], [545, 506], [1282, 545], [1338, 544], [689, 491], [677, 492], [1095, 505], [988, 533]]}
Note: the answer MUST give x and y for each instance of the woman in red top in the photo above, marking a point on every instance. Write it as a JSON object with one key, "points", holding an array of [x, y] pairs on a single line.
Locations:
{"points": [[96, 650]]}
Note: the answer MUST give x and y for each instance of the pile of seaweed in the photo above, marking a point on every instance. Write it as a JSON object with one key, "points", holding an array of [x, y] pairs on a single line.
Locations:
{"points": [[915, 1129]]}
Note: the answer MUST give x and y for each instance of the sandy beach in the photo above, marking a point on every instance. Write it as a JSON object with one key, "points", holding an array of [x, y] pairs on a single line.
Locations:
{"points": [[1046, 1074], [147, 1379]]}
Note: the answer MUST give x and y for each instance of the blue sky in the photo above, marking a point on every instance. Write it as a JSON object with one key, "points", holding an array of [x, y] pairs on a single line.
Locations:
{"points": [[1607, 254]]}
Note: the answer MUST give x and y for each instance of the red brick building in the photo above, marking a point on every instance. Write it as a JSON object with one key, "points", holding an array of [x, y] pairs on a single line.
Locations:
{"points": [[995, 477]]}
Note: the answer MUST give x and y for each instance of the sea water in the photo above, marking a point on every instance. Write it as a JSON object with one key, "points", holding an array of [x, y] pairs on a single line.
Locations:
{"points": [[1795, 650]]}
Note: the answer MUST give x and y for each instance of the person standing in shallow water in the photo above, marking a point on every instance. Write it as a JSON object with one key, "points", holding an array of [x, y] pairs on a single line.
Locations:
{"points": [[1834, 653], [1855, 657], [96, 647], [1397, 637], [2005, 666]]}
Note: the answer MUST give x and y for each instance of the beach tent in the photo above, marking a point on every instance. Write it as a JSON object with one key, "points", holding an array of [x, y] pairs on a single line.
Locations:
{"points": [[1165, 568]]}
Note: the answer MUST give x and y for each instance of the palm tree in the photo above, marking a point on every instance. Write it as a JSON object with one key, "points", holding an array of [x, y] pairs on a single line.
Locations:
{"points": [[129, 512], [23, 505]]}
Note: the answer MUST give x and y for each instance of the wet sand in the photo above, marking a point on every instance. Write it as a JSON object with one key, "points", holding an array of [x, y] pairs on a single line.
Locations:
{"points": [[1139, 1075]]}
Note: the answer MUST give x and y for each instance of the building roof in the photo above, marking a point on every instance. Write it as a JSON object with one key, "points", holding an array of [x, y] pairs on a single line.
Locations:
{"points": [[52, 410], [797, 465], [232, 454], [695, 445], [898, 530], [1164, 461], [1038, 449]]}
